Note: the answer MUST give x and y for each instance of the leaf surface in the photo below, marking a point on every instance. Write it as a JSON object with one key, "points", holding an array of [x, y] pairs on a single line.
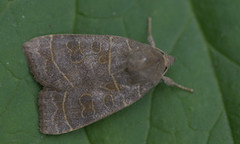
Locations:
{"points": [[203, 36]]}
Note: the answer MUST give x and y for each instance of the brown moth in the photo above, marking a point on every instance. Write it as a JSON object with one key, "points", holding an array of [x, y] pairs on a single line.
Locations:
{"points": [[88, 77]]}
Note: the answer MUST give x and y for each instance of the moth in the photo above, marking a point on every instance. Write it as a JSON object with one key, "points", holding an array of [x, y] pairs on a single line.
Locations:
{"points": [[88, 77]]}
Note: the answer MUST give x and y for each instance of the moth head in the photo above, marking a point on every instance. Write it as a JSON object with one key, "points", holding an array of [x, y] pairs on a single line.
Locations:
{"points": [[148, 65]]}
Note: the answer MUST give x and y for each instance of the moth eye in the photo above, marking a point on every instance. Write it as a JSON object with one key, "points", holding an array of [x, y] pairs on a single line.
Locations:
{"points": [[165, 69], [162, 53]]}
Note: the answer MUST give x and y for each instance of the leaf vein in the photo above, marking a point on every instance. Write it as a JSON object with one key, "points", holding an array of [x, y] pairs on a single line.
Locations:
{"points": [[8, 103], [214, 125], [12, 73], [224, 55], [214, 71], [87, 136], [150, 116], [180, 34]]}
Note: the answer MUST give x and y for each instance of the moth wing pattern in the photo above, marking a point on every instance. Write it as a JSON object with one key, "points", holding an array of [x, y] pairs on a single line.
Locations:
{"points": [[64, 111], [52, 112], [84, 78], [50, 60]]}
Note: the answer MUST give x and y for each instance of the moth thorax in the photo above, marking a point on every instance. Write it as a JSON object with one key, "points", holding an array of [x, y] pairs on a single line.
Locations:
{"points": [[146, 66]]}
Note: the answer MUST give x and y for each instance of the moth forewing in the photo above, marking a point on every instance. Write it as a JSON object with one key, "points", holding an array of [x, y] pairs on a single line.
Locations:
{"points": [[88, 77]]}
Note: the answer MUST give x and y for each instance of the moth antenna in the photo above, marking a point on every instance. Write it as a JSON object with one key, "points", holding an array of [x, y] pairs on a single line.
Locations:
{"points": [[170, 82], [150, 37]]}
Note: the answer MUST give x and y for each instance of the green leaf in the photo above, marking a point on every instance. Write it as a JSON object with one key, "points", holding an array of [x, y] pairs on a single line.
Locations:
{"points": [[203, 36]]}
